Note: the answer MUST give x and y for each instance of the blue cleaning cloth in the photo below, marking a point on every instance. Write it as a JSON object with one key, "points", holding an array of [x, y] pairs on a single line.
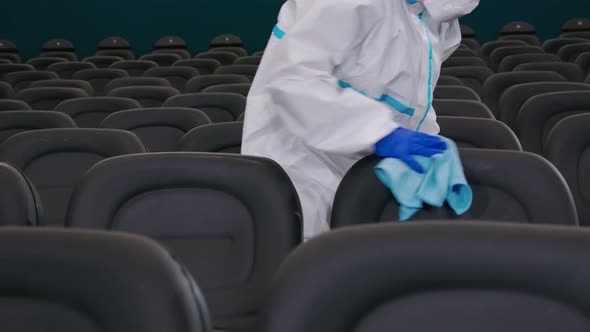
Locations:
{"points": [[442, 181]]}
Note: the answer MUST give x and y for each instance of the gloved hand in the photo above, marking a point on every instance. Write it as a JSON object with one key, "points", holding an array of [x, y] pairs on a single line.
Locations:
{"points": [[402, 144]]}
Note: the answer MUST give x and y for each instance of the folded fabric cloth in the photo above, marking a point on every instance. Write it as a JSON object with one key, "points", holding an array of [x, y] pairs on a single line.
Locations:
{"points": [[443, 180]]}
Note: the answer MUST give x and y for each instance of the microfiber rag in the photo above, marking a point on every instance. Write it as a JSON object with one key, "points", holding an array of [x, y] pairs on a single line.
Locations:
{"points": [[443, 180]]}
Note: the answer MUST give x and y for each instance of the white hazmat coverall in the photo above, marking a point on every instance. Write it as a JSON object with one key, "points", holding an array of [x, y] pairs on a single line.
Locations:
{"points": [[339, 75]]}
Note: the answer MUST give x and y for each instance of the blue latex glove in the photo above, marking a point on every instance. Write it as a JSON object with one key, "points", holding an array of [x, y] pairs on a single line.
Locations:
{"points": [[402, 144]]}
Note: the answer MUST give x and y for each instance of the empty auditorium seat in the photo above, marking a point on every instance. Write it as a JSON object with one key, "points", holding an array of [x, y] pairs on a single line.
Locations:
{"points": [[135, 81], [570, 71], [19, 201], [103, 61], [64, 84], [487, 48], [246, 70], [89, 112], [583, 61], [448, 276], [69, 56], [509, 186], [469, 132], [529, 39], [514, 97], [469, 37], [22, 79], [576, 24], [462, 108], [501, 53], [512, 61], [570, 52], [78, 280], [9, 51], [520, 31], [119, 53], [455, 92], [11, 68], [182, 53], [160, 129], [227, 40], [55, 159], [66, 70], [134, 68], [58, 44], [13, 105], [173, 45], [448, 80], [542, 112], [577, 34], [553, 45], [219, 107], [177, 76], [114, 43], [12, 58], [249, 60], [567, 148], [239, 88], [162, 59], [6, 90], [147, 96], [14, 122], [5, 61], [200, 83], [462, 61], [203, 66], [496, 84], [99, 78], [43, 63], [259, 53], [211, 210], [464, 52], [238, 51], [216, 137], [224, 58], [471, 76], [45, 99]]}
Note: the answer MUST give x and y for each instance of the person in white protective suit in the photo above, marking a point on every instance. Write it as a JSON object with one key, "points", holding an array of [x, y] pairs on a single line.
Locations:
{"points": [[340, 77]]}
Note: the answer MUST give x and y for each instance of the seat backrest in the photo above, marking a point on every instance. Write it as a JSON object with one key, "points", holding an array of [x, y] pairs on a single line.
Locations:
{"points": [[448, 80], [512, 100], [19, 202], [123, 54], [69, 56], [478, 133], [227, 40], [59, 83], [553, 45], [99, 78], [497, 84], [246, 70], [42, 63], [529, 39], [103, 61], [570, 71], [14, 122], [135, 68], [211, 210], [160, 129], [13, 105], [239, 88], [203, 66], [508, 186], [462, 108], [200, 83], [45, 99], [6, 90], [472, 76], [464, 52], [239, 51], [583, 61], [147, 96], [567, 148], [182, 53], [487, 48], [219, 107], [455, 92], [518, 28], [512, 61], [539, 115], [162, 59], [462, 61], [66, 70], [58, 44], [177, 76], [501, 53], [90, 112], [576, 24], [21, 80], [10, 68], [225, 58], [577, 34], [86, 281], [449, 276], [216, 137], [249, 60], [570, 52], [13, 58], [135, 81], [55, 159], [114, 43]]}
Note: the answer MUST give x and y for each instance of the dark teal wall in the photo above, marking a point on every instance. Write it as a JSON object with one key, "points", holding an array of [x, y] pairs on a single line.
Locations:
{"points": [[30, 23]]}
